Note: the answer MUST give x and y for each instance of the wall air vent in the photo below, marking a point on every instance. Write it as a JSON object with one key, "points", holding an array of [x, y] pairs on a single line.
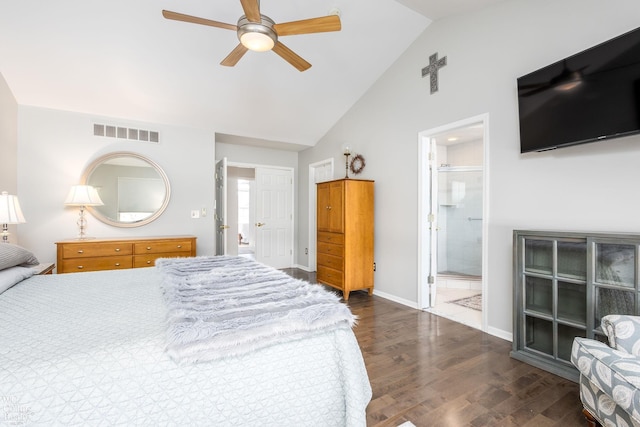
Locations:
{"points": [[121, 132]]}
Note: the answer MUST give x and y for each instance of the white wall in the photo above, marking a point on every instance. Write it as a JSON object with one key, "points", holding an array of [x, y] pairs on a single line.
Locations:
{"points": [[54, 147], [588, 187], [256, 156], [8, 146]]}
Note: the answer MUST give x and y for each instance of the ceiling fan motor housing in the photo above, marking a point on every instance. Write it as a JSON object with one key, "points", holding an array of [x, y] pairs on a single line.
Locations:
{"points": [[256, 35]]}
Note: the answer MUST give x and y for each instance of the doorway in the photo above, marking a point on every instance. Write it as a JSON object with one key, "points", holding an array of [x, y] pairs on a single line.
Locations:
{"points": [[453, 230], [255, 213], [241, 197]]}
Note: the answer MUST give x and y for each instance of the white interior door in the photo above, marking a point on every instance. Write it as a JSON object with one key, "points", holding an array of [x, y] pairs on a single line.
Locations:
{"points": [[221, 207], [274, 217]]}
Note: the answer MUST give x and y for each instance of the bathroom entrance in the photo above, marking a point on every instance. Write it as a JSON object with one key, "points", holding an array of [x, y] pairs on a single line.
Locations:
{"points": [[452, 216]]}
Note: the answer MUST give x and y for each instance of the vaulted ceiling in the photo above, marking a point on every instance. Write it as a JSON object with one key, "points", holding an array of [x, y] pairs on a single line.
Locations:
{"points": [[122, 59]]}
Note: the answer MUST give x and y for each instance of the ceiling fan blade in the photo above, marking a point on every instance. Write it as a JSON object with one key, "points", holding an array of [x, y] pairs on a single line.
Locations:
{"points": [[251, 10], [307, 26], [195, 20], [291, 57], [235, 55]]}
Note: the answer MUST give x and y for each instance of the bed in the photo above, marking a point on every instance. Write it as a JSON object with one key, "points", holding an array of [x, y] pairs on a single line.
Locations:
{"points": [[91, 349]]}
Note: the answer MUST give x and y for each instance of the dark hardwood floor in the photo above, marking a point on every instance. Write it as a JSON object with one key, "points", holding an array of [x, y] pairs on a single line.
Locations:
{"points": [[436, 372]]}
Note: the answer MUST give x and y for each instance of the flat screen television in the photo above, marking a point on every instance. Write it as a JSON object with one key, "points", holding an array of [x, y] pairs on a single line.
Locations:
{"points": [[593, 95]]}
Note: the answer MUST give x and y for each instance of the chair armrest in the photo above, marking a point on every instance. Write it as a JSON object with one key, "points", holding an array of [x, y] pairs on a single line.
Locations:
{"points": [[623, 332], [614, 372]]}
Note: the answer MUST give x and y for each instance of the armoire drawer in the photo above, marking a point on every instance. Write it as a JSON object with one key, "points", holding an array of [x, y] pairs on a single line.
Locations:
{"points": [[330, 276], [336, 238], [330, 249], [335, 262]]}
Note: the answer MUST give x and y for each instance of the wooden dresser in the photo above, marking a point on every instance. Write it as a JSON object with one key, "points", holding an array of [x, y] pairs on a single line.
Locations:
{"points": [[345, 235], [118, 253]]}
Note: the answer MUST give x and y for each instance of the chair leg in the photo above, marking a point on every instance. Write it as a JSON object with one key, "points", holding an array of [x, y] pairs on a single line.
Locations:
{"points": [[591, 421]]}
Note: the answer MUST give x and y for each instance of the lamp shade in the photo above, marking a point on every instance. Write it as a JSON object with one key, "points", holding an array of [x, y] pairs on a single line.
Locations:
{"points": [[10, 212], [83, 195]]}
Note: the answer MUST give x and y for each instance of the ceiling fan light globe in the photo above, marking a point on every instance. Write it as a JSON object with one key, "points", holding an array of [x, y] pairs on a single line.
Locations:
{"points": [[257, 36], [257, 42]]}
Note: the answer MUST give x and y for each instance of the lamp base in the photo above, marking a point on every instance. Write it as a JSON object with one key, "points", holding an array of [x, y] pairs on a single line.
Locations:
{"points": [[346, 165], [5, 233]]}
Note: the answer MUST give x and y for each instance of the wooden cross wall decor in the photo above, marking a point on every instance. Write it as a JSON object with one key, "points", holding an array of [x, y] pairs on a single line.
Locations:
{"points": [[432, 69]]}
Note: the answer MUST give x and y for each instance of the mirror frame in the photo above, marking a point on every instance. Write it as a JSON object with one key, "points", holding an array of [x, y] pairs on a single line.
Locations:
{"points": [[100, 160]]}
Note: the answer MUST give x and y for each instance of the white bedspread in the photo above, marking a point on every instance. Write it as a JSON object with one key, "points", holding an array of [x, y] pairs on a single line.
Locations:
{"points": [[88, 349]]}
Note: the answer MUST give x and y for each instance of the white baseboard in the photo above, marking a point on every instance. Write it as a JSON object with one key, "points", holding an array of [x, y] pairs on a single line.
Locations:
{"points": [[394, 298], [508, 336], [303, 267]]}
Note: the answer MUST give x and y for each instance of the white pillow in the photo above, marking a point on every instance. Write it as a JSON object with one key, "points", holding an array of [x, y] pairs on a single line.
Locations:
{"points": [[12, 255], [12, 275]]}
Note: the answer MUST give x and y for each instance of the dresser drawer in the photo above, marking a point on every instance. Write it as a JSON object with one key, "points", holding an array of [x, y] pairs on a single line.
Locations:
{"points": [[330, 276], [337, 238], [335, 262], [150, 260], [86, 250], [97, 263], [159, 247], [330, 249]]}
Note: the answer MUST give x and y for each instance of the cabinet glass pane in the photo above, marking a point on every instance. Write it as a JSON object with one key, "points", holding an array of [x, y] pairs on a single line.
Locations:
{"points": [[572, 302], [538, 256], [572, 259], [615, 264], [539, 335], [539, 295], [566, 334], [602, 338], [614, 301]]}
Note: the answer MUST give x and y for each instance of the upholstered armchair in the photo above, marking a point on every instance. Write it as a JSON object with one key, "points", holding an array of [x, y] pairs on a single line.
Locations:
{"points": [[610, 374]]}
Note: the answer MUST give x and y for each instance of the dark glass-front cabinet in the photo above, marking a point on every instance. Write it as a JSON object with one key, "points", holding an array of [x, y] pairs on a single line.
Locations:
{"points": [[564, 283]]}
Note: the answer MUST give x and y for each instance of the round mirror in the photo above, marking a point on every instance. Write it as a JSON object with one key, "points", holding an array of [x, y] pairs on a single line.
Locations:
{"points": [[134, 189]]}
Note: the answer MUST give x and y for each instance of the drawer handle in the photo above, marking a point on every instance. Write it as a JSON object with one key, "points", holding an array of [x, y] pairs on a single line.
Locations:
{"points": [[80, 267], [179, 246], [117, 249], [148, 248], [80, 251], [117, 264], [148, 262]]}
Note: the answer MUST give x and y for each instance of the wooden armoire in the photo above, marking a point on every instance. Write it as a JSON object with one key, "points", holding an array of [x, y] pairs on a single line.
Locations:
{"points": [[345, 235]]}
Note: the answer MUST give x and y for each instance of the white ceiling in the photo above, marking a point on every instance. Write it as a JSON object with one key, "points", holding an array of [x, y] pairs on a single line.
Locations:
{"points": [[122, 59]]}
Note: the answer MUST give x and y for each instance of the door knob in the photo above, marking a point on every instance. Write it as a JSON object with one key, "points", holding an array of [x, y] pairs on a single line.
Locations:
{"points": [[260, 224]]}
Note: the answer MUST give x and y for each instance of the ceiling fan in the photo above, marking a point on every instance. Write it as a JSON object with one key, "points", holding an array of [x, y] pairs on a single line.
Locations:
{"points": [[260, 33]]}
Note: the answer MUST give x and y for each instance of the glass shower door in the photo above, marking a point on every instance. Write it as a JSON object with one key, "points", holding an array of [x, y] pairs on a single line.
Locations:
{"points": [[460, 221]]}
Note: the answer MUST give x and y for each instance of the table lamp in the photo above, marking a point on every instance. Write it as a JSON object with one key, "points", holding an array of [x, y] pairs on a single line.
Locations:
{"points": [[10, 213], [83, 196]]}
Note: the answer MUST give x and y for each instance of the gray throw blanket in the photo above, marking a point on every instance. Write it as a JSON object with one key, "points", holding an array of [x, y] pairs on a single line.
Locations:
{"points": [[228, 306]]}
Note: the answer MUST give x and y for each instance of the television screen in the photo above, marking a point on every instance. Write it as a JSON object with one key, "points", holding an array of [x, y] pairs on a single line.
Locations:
{"points": [[589, 96]]}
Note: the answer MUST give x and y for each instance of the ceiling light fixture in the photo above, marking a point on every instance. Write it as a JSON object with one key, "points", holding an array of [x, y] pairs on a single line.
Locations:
{"points": [[258, 37]]}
